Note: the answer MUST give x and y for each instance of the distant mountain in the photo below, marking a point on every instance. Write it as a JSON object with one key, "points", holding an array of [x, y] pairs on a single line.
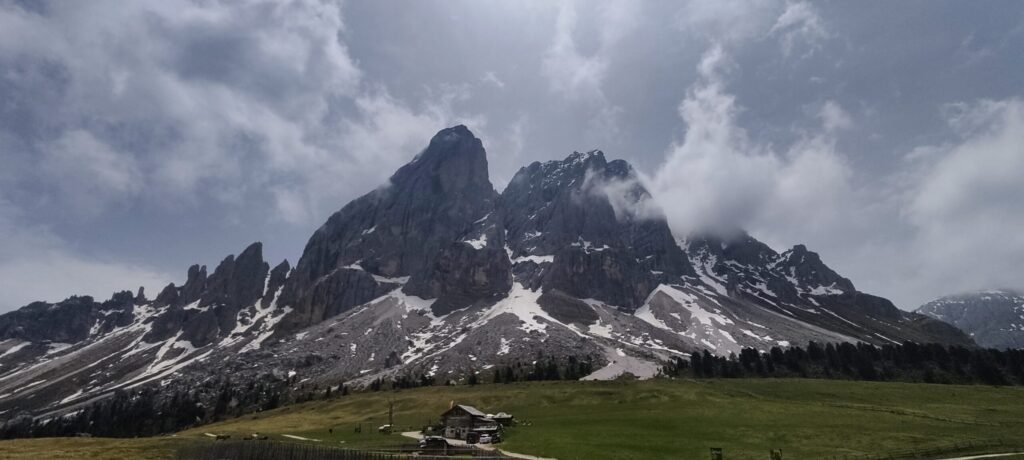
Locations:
{"points": [[436, 274], [993, 318]]}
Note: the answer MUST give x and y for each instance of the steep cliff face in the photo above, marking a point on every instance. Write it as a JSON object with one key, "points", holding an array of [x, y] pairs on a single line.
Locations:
{"points": [[409, 232], [206, 308], [577, 223]]}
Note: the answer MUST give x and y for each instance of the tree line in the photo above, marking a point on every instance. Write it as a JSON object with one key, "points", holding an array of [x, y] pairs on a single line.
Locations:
{"points": [[152, 410], [906, 362]]}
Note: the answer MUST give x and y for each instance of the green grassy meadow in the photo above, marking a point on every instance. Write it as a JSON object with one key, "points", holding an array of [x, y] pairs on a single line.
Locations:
{"points": [[655, 419]]}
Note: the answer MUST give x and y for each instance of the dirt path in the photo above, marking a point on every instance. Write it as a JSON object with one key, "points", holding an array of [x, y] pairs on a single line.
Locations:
{"points": [[455, 442], [300, 438], [974, 457]]}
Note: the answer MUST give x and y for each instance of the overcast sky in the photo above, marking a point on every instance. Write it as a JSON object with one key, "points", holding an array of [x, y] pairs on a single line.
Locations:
{"points": [[139, 137]]}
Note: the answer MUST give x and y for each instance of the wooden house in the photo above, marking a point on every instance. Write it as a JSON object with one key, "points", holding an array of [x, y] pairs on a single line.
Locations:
{"points": [[461, 420]]}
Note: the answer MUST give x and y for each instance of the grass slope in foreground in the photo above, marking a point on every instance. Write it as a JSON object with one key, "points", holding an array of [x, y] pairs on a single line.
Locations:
{"points": [[652, 419]]}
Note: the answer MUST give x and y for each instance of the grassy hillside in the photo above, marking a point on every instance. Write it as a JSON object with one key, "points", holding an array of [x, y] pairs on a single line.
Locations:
{"points": [[652, 419]]}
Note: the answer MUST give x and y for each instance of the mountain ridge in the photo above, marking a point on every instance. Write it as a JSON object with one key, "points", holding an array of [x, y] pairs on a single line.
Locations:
{"points": [[437, 274], [994, 317]]}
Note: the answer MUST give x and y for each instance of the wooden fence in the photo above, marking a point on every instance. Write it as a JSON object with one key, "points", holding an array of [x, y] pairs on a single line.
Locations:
{"points": [[926, 453], [278, 450]]}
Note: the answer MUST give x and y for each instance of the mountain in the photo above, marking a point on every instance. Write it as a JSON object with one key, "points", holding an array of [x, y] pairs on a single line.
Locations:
{"points": [[437, 275], [993, 318]]}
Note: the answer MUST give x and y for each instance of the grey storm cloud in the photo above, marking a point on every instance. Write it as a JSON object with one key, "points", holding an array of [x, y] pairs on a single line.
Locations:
{"points": [[137, 138]]}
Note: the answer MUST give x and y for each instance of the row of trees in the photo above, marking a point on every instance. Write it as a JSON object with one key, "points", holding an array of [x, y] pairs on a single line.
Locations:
{"points": [[908, 362], [543, 368], [153, 410]]}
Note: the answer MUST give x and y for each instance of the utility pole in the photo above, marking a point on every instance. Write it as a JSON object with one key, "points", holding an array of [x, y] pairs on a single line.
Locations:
{"points": [[391, 414]]}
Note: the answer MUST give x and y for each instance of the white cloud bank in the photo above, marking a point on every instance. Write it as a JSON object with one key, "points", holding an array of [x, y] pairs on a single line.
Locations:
{"points": [[950, 222], [717, 179], [252, 109], [966, 203], [186, 102]]}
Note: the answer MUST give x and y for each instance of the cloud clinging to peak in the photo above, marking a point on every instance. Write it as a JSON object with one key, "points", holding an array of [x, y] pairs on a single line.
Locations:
{"points": [[150, 135]]}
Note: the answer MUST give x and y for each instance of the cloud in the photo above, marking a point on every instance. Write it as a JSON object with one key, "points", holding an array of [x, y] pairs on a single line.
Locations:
{"points": [[88, 172], [491, 79], [36, 265], [795, 24], [719, 180], [218, 114], [123, 123], [208, 104], [580, 77], [628, 196], [799, 25], [570, 73], [966, 205], [949, 222], [834, 117]]}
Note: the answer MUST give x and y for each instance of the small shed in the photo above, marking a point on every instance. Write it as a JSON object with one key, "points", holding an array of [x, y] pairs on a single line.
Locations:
{"points": [[461, 420]]}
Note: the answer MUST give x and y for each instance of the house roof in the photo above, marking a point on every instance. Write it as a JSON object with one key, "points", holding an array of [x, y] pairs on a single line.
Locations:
{"points": [[469, 410], [472, 410]]}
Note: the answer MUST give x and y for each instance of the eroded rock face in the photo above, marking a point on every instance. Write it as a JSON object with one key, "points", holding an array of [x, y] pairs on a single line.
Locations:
{"points": [[566, 308], [591, 230], [206, 308], [463, 275], [610, 274], [409, 230], [798, 284], [70, 321]]}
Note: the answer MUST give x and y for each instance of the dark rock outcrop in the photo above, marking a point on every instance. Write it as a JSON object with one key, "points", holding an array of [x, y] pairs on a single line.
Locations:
{"points": [[206, 308], [592, 228], [69, 321], [994, 318]]}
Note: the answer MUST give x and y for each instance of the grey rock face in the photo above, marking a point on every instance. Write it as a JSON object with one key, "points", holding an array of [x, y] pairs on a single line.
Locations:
{"points": [[276, 282], [808, 269], [70, 321], [409, 228], [799, 285], [994, 318], [205, 308], [79, 348], [567, 309], [592, 219]]}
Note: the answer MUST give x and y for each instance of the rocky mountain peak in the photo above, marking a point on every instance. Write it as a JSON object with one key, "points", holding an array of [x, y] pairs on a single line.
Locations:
{"points": [[591, 158], [407, 233], [806, 266], [237, 282], [566, 225], [195, 284], [454, 161]]}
